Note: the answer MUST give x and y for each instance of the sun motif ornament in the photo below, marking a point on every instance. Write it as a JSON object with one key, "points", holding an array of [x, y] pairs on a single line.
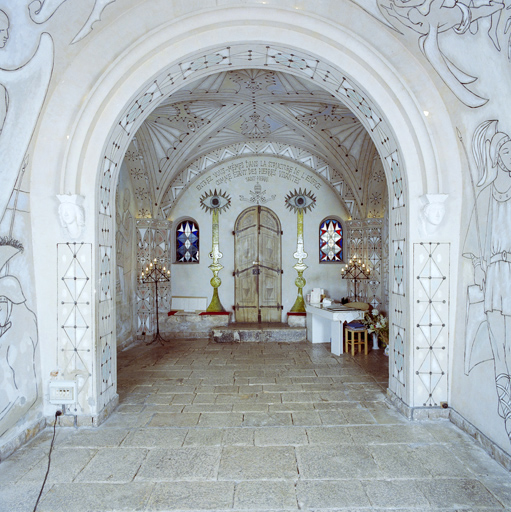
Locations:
{"points": [[300, 201], [215, 201]]}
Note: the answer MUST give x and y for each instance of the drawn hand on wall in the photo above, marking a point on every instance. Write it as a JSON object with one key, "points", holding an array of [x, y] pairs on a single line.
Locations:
{"points": [[488, 246], [506, 30], [18, 346], [430, 18]]}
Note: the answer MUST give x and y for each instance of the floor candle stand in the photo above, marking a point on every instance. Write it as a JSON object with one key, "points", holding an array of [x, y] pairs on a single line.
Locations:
{"points": [[155, 274], [356, 271]]}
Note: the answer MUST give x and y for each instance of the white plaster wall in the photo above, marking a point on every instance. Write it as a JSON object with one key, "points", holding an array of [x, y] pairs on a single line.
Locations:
{"points": [[193, 279], [94, 79], [136, 65]]}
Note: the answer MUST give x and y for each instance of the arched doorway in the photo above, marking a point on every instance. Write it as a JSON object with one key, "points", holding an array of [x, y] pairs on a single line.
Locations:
{"points": [[340, 86], [395, 122], [257, 246]]}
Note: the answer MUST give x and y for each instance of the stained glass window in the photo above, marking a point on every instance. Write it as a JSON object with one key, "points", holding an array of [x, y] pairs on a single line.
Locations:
{"points": [[187, 242], [330, 241]]}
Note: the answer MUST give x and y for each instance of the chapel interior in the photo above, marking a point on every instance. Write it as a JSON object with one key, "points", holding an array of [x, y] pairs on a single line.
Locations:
{"points": [[254, 255]]}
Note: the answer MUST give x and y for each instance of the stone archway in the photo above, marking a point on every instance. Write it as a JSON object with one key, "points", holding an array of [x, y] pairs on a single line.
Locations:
{"points": [[104, 108], [295, 62]]}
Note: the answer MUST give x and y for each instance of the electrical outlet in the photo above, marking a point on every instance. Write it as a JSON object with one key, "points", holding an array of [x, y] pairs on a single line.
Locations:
{"points": [[62, 392]]}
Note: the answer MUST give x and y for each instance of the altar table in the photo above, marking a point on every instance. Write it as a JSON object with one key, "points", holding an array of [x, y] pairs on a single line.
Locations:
{"points": [[325, 324]]}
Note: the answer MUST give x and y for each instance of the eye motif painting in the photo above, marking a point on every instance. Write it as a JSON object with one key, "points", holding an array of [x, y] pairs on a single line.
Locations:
{"points": [[300, 201], [215, 201]]}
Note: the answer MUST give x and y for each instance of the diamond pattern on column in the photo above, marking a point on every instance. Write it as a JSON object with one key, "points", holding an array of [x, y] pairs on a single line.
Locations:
{"points": [[431, 315], [75, 355]]}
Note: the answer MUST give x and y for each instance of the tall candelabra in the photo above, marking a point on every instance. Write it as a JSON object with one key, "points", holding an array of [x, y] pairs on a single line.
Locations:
{"points": [[300, 202], [155, 274], [215, 202], [356, 271]]}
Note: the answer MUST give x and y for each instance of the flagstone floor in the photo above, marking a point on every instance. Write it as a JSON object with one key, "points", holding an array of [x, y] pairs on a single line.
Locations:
{"points": [[254, 427]]}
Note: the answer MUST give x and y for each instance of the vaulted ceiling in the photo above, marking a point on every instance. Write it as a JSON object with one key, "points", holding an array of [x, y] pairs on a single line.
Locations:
{"points": [[247, 106]]}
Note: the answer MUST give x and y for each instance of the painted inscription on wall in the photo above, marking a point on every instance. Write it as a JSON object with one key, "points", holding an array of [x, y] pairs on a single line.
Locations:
{"points": [[259, 170]]}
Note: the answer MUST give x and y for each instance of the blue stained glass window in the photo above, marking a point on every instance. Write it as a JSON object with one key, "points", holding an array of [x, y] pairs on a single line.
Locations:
{"points": [[187, 242], [330, 241]]}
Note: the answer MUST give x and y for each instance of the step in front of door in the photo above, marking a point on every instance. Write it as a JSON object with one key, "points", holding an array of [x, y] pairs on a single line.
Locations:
{"points": [[288, 335]]}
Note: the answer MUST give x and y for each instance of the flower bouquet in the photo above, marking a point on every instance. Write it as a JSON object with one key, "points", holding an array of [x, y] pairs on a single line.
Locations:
{"points": [[377, 322]]}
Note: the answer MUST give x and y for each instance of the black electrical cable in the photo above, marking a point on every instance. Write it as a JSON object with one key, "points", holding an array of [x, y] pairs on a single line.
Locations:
{"points": [[57, 414]]}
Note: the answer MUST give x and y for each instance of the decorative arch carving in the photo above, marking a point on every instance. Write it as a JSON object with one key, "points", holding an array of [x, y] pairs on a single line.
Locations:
{"points": [[261, 148], [285, 59]]}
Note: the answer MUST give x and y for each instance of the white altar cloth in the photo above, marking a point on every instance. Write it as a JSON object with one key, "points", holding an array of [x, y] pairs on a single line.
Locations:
{"points": [[325, 324]]}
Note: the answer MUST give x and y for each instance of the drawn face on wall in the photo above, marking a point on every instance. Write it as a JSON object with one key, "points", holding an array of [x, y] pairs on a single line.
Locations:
{"points": [[505, 156], [4, 311], [4, 29]]}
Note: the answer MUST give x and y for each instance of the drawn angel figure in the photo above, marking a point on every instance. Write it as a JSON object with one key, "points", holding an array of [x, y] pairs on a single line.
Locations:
{"points": [[488, 246], [26, 65], [432, 17]]}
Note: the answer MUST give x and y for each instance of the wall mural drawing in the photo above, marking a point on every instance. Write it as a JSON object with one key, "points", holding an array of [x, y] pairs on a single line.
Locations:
{"points": [[488, 246], [27, 67], [95, 16], [26, 64], [258, 195], [19, 389], [430, 19], [125, 287], [27, 53]]}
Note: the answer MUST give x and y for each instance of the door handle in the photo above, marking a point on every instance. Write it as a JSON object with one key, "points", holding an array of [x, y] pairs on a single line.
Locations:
{"points": [[256, 271]]}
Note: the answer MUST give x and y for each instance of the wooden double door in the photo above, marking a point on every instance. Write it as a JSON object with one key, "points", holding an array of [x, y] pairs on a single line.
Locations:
{"points": [[258, 266]]}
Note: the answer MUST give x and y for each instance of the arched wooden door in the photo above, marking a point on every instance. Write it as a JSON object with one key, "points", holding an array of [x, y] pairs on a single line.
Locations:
{"points": [[258, 271]]}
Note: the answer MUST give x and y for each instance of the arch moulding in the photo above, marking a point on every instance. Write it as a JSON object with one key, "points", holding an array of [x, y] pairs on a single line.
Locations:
{"points": [[112, 112]]}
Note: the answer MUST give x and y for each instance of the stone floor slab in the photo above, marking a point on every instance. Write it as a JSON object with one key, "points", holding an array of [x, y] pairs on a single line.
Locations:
{"points": [[220, 420], [265, 495], [257, 463], [183, 419], [91, 437], [65, 465], [189, 463], [117, 465], [100, 497], [335, 462], [390, 494], [335, 495], [458, 493], [329, 435], [280, 436], [156, 438], [256, 419], [192, 496]]}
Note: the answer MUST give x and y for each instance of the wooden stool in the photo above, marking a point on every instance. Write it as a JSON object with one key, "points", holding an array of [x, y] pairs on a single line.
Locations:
{"points": [[355, 336]]}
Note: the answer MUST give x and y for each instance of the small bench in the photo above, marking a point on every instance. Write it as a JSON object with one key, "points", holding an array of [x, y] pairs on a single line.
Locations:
{"points": [[188, 304]]}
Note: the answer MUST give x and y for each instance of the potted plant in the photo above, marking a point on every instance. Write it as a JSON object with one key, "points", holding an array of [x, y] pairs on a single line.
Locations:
{"points": [[377, 323]]}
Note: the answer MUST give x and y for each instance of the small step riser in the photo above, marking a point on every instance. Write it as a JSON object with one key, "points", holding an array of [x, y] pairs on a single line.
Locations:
{"points": [[259, 336]]}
